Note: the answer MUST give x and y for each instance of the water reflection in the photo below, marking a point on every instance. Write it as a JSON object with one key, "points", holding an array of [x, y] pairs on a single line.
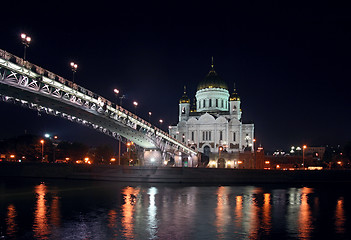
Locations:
{"points": [[222, 211], [40, 226], [130, 195], [167, 212], [340, 216], [305, 216], [11, 224], [152, 211]]}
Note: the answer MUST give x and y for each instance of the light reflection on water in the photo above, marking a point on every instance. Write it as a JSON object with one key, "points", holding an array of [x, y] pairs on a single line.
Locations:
{"points": [[116, 211]]}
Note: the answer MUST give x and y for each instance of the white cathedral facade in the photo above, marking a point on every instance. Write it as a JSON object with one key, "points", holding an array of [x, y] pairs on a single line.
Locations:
{"points": [[213, 123]]}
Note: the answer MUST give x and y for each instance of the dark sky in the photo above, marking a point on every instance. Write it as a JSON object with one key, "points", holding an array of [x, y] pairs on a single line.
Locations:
{"points": [[291, 61]]}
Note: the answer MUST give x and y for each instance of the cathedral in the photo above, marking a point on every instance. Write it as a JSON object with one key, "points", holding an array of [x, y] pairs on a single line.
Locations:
{"points": [[213, 124]]}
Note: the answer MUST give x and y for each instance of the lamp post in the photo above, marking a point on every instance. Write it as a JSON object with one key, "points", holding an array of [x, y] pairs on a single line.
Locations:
{"points": [[135, 103], [161, 121], [220, 149], [119, 149], [116, 91], [253, 146], [150, 113], [303, 156], [25, 41], [42, 149], [74, 67]]}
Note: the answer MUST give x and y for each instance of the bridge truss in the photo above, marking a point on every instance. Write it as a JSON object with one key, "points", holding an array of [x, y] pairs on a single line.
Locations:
{"points": [[31, 86]]}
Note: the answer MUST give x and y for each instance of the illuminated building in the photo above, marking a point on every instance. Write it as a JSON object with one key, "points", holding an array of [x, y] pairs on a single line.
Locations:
{"points": [[213, 124]]}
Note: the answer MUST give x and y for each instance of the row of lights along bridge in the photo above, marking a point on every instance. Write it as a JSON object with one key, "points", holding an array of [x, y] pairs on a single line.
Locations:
{"points": [[26, 40]]}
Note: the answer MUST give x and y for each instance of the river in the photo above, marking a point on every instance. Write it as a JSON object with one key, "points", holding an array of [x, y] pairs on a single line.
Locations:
{"points": [[74, 209]]}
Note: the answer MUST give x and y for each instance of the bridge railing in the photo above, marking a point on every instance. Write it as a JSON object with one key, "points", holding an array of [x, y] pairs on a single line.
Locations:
{"points": [[32, 70]]}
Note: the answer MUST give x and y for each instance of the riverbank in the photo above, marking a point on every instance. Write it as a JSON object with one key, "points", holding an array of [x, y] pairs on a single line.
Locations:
{"points": [[170, 174]]}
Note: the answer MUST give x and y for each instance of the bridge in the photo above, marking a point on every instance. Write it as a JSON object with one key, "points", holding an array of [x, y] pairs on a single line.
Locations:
{"points": [[34, 87]]}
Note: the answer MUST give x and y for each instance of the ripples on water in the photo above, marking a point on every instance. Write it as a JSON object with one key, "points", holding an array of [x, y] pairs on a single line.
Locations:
{"points": [[30, 209]]}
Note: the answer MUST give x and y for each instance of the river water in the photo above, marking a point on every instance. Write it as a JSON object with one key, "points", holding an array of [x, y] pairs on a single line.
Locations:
{"points": [[73, 209]]}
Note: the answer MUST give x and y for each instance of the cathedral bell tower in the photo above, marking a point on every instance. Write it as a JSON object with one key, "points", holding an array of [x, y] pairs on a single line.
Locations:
{"points": [[184, 107], [234, 101]]}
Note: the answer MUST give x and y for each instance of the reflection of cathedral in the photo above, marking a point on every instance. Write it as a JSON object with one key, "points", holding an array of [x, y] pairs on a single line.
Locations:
{"points": [[213, 123]]}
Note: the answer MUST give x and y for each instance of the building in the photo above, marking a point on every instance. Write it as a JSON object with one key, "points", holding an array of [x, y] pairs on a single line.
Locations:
{"points": [[213, 124]]}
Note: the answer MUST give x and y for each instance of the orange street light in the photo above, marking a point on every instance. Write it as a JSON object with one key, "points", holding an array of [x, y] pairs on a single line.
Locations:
{"points": [[42, 149], [303, 155]]}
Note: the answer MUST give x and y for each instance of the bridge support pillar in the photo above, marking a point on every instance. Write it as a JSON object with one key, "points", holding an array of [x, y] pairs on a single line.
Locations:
{"points": [[152, 157], [192, 161], [181, 160]]}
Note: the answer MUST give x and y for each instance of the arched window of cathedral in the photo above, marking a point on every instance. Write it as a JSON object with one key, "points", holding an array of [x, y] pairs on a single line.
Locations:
{"points": [[222, 103], [192, 136], [210, 103], [216, 102], [234, 108], [220, 135], [183, 110], [204, 103], [234, 137]]}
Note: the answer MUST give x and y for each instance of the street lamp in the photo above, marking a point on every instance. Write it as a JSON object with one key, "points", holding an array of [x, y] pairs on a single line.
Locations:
{"points": [[150, 113], [116, 91], [220, 149], [42, 149], [253, 146], [25, 41], [135, 103], [74, 67], [303, 155]]}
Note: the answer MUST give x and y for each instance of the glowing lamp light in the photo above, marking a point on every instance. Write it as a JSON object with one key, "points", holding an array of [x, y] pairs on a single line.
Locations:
{"points": [[152, 159], [135, 103], [116, 90], [266, 162], [74, 65], [26, 38], [42, 141], [46, 135], [113, 159], [240, 162]]}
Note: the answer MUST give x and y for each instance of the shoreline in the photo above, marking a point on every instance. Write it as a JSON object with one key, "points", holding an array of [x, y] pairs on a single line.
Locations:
{"points": [[171, 174]]}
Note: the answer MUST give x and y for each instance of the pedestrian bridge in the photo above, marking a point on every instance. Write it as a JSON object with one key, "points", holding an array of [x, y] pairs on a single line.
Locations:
{"points": [[31, 86]]}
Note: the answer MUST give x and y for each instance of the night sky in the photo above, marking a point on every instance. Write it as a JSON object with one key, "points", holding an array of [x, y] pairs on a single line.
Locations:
{"points": [[290, 61]]}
